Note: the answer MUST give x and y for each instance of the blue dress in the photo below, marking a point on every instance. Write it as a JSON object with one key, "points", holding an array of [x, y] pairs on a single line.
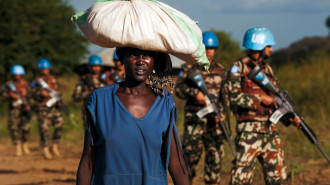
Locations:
{"points": [[130, 151]]}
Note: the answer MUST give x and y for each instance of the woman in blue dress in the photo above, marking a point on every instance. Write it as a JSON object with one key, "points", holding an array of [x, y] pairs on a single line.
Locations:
{"points": [[131, 137]]}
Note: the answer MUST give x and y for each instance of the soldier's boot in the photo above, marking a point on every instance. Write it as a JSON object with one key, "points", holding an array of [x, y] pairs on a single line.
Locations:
{"points": [[26, 149], [18, 150], [55, 150], [47, 154]]}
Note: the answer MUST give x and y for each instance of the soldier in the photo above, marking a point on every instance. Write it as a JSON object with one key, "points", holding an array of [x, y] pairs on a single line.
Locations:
{"points": [[16, 92], [45, 92], [117, 75], [89, 82], [204, 131], [256, 137]]}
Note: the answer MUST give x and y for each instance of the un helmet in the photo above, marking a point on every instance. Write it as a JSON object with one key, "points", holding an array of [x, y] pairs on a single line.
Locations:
{"points": [[115, 57], [17, 70], [210, 40], [43, 64], [94, 60], [258, 38]]}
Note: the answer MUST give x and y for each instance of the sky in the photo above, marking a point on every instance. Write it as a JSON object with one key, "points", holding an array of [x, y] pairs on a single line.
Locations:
{"points": [[289, 20]]}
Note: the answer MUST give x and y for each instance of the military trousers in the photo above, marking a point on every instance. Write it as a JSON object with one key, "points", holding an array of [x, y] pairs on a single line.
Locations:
{"points": [[18, 125], [199, 134], [265, 147], [47, 117]]}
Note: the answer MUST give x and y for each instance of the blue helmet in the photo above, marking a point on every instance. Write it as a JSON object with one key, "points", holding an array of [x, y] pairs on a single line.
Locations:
{"points": [[210, 40], [115, 57], [258, 38], [17, 70], [43, 64], [94, 60]]}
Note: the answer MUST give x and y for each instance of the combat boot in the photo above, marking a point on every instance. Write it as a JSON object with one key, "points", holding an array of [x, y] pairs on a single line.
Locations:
{"points": [[18, 150], [55, 150], [26, 149], [47, 154]]}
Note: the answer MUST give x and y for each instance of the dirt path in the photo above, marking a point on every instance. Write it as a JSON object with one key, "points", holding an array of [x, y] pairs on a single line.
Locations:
{"points": [[34, 170]]}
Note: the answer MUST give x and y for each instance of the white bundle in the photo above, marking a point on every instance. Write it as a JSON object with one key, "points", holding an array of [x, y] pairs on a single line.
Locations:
{"points": [[144, 24]]}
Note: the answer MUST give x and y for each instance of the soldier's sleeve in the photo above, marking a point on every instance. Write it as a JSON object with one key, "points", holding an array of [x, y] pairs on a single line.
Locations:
{"points": [[79, 92], [182, 90], [223, 96], [237, 97]]}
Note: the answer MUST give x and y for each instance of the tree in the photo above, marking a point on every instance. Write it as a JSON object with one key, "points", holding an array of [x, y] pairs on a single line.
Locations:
{"points": [[327, 22], [229, 50], [30, 30]]}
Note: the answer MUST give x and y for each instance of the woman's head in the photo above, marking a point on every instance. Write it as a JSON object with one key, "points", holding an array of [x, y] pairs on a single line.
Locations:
{"points": [[152, 67]]}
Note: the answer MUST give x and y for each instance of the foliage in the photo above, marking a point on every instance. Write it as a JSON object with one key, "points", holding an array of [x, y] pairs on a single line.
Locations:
{"points": [[301, 51], [30, 30], [229, 49], [327, 23]]}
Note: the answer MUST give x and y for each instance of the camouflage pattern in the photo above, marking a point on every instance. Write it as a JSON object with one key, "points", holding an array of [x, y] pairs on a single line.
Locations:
{"points": [[256, 137], [39, 98], [111, 77], [264, 147], [202, 132], [18, 125], [199, 133], [18, 115], [47, 116], [85, 86]]}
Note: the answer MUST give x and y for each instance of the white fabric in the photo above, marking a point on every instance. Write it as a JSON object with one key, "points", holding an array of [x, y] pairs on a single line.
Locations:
{"points": [[143, 24]]}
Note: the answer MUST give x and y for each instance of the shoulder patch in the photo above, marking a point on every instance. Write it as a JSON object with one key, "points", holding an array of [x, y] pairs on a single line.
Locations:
{"points": [[234, 69], [180, 73], [103, 76]]}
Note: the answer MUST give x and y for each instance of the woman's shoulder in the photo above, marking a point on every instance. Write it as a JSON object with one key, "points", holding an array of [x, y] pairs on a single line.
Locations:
{"points": [[168, 97]]}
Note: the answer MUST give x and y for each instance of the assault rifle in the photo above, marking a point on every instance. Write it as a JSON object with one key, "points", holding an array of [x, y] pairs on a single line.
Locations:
{"points": [[115, 77], [20, 101], [56, 98], [285, 103], [197, 78]]}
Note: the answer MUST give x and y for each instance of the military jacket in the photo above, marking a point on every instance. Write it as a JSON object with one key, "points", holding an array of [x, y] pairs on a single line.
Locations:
{"points": [[20, 88], [85, 86], [214, 80], [245, 97], [37, 89], [113, 76]]}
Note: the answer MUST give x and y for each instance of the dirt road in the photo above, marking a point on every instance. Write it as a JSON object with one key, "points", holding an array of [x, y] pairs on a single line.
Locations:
{"points": [[34, 170]]}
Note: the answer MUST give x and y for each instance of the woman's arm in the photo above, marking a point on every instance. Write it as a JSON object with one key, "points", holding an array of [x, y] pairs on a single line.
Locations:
{"points": [[87, 161], [177, 166]]}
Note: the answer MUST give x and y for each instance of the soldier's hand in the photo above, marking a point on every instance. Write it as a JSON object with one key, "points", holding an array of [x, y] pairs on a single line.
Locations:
{"points": [[296, 121], [267, 100], [201, 98], [27, 108], [14, 95], [45, 93], [217, 118]]}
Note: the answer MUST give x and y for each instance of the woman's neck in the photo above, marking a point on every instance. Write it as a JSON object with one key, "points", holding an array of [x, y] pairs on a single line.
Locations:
{"points": [[135, 89]]}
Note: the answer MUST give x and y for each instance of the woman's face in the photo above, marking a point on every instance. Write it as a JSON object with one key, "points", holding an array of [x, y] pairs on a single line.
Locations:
{"points": [[138, 64]]}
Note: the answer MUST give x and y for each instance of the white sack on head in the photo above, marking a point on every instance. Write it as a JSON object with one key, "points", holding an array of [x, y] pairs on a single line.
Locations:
{"points": [[143, 24]]}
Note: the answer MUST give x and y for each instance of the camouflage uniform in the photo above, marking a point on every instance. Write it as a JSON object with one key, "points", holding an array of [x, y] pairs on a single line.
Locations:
{"points": [[205, 131], [256, 137], [113, 76], [85, 86], [47, 115], [19, 111]]}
